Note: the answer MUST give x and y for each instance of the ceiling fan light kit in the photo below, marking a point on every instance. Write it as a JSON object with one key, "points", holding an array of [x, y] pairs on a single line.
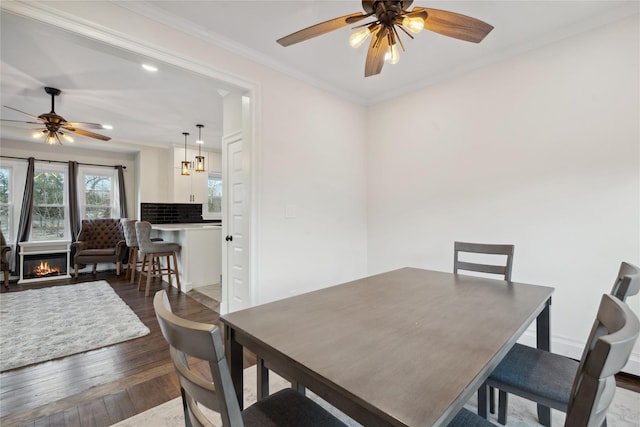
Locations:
{"points": [[56, 126], [391, 15]]}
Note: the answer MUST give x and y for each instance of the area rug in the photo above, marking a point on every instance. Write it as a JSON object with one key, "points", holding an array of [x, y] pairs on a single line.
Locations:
{"points": [[48, 323], [623, 412]]}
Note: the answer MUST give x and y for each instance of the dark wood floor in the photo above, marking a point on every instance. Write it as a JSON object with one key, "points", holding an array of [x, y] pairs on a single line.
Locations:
{"points": [[103, 386]]}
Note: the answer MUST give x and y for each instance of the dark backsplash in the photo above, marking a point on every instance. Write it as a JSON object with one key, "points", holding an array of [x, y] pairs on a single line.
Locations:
{"points": [[171, 213]]}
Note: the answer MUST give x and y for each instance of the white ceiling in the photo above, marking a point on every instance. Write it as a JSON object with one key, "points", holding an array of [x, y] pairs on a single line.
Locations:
{"points": [[104, 84]]}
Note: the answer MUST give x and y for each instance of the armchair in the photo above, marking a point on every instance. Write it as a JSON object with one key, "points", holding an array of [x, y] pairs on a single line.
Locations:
{"points": [[100, 240], [4, 260]]}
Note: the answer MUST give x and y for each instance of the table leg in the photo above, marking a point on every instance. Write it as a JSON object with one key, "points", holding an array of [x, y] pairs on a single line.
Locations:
{"points": [[543, 341], [483, 400], [263, 380], [233, 352]]}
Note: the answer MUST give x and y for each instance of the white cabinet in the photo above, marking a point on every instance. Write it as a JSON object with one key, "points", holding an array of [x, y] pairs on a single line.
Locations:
{"points": [[191, 188], [200, 256]]}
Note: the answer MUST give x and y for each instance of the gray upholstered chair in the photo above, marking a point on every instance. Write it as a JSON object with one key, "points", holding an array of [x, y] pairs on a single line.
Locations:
{"points": [[152, 253], [503, 270], [503, 252], [100, 240], [613, 335], [551, 379], [4, 260], [552, 390], [203, 341], [130, 238]]}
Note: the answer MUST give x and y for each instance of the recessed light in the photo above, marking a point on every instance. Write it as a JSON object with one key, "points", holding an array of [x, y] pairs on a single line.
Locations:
{"points": [[107, 127], [150, 68]]}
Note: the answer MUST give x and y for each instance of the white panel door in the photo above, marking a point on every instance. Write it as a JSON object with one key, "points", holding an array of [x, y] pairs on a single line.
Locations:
{"points": [[236, 226]]}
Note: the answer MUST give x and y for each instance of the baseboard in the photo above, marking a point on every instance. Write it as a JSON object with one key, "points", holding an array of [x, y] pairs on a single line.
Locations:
{"points": [[573, 348]]}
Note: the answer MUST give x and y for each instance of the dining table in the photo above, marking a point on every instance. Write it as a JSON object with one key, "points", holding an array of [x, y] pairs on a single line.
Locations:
{"points": [[408, 347]]}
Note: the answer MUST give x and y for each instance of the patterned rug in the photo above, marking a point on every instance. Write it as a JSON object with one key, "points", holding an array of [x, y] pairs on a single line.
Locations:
{"points": [[623, 412], [45, 324]]}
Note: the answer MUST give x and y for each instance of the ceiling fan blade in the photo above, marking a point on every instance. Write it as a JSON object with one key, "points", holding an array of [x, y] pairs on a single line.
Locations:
{"points": [[87, 133], [375, 55], [455, 25], [20, 121], [321, 28], [84, 125], [20, 111]]}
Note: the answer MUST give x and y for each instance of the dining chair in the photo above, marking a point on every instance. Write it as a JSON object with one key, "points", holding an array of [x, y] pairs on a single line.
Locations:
{"points": [[627, 282], [188, 339], [152, 252], [503, 269], [553, 388]]}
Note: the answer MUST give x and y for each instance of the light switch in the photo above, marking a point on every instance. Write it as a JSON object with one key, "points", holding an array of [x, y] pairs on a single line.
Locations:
{"points": [[290, 211]]}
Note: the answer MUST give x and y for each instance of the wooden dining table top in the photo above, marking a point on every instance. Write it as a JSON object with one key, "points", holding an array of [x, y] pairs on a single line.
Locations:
{"points": [[407, 347]]}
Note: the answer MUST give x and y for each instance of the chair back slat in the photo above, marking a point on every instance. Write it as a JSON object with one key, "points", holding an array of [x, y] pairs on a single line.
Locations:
{"points": [[610, 343], [201, 341], [503, 270], [627, 282], [482, 268]]}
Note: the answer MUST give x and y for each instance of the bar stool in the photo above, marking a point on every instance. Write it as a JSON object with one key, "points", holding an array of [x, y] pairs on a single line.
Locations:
{"points": [[130, 237], [129, 230], [152, 252]]}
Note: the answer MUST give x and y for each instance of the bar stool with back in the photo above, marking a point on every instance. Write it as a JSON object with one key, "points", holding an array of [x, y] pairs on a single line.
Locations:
{"points": [[152, 252]]}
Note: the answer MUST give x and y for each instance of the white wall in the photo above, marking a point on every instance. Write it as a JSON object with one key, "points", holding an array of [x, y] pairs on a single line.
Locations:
{"points": [[541, 151]]}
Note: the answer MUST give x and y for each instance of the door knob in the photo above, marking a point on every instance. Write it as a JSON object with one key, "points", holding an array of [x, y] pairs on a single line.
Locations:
{"points": [[229, 238]]}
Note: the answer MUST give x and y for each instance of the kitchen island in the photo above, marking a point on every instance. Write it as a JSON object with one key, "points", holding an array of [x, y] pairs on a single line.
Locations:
{"points": [[200, 256]]}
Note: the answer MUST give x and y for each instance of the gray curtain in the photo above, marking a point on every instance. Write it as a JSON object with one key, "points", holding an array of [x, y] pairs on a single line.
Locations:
{"points": [[24, 226], [123, 194], [74, 208]]}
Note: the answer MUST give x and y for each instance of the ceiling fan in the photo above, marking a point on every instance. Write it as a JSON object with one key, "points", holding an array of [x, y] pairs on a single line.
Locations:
{"points": [[56, 126], [391, 15]]}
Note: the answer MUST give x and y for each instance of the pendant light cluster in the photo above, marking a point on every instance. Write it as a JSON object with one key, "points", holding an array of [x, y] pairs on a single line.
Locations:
{"points": [[199, 157], [199, 163]]}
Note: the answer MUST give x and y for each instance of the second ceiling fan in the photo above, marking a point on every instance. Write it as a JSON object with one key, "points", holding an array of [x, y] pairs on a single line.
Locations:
{"points": [[391, 15]]}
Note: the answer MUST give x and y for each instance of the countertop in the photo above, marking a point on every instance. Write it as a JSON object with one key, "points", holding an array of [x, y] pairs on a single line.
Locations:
{"points": [[185, 227]]}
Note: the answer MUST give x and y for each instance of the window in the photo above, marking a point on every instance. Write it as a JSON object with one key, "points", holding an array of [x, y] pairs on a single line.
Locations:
{"points": [[6, 202], [50, 208], [214, 205], [98, 193]]}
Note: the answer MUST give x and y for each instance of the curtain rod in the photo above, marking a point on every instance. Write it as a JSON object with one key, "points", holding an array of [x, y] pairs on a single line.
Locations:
{"points": [[60, 161]]}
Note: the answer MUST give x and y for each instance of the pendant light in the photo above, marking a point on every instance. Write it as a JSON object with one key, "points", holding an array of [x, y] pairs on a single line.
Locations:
{"points": [[185, 163], [199, 157]]}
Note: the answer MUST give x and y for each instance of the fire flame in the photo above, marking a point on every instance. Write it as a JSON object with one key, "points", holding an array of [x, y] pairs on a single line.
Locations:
{"points": [[44, 269]]}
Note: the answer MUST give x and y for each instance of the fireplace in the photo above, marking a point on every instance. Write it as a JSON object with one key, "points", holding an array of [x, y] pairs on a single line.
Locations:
{"points": [[46, 260]]}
